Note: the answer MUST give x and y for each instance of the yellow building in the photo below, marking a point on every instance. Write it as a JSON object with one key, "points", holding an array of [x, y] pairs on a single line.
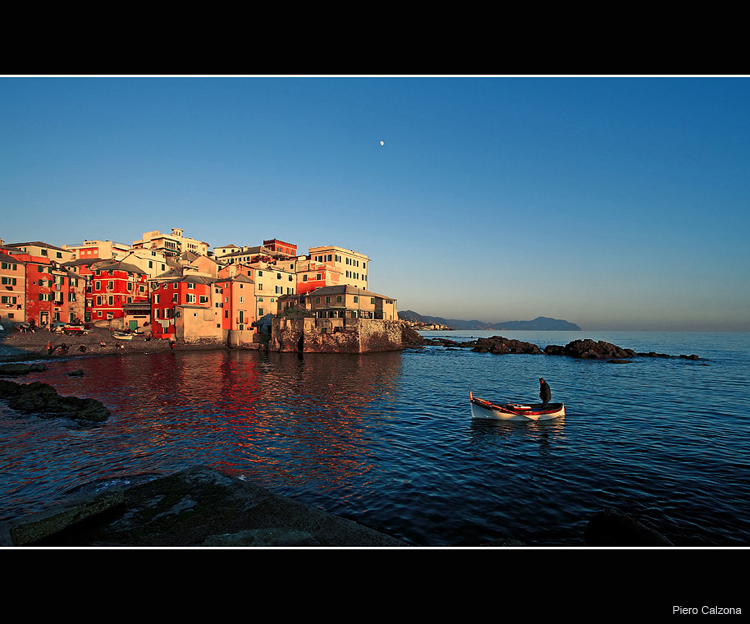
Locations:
{"points": [[172, 244], [341, 302]]}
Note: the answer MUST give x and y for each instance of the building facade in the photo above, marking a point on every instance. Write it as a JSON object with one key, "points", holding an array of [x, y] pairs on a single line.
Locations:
{"points": [[12, 289], [171, 244]]}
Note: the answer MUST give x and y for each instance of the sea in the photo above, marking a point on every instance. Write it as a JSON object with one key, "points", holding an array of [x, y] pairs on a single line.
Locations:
{"points": [[387, 439]]}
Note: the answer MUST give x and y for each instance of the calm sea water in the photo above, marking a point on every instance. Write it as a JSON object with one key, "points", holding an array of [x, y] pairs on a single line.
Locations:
{"points": [[388, 440]]}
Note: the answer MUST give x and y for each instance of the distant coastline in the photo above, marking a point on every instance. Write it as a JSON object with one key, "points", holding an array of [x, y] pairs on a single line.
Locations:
{"points": [[541, 323]]}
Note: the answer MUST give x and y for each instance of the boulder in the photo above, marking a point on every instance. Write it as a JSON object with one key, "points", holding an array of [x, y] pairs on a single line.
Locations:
{"points": [[21, 369], [501, 345], [410, 337], [591, 349], [58, 518], [43, 400]]}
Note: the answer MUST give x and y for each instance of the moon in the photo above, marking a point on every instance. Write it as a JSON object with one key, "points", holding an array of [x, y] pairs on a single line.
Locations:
{"points": [[382, 142]]}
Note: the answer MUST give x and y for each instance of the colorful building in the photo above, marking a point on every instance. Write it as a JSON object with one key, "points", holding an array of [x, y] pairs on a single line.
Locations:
{"points": [[171, 244], [170, 296], [98, 250], [270, 280], [110, 285], [12, 289], [331, 266], [52, 292], [341, 302]]}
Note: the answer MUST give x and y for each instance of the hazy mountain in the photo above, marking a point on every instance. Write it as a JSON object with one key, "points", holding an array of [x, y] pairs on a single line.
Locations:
{"points": [[541, 323]]}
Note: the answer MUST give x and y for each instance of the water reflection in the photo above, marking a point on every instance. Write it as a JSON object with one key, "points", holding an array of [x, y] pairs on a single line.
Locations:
{"points": [[284, 421], [545, 434]]}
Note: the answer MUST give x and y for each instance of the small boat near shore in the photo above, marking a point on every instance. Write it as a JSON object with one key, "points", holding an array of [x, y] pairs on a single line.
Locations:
{"points": [[121, 336], [514, 411]]}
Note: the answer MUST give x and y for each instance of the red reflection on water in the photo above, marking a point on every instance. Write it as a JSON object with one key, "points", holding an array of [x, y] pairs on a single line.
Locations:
{"points": [[285, 419]]}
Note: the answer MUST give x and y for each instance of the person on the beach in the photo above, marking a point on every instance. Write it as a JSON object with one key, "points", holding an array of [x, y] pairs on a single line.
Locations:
{"points": [[545, 394]]}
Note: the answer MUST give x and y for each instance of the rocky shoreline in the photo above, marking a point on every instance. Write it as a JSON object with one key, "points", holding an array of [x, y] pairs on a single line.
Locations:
{"points": [[585, 349]]}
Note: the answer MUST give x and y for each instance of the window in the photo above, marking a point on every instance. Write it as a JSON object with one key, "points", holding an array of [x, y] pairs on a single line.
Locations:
{"points": [[356, 299], [191, 286], [304, 278], [190, 298]]}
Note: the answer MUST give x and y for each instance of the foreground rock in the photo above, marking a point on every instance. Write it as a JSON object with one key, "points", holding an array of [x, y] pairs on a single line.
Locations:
{"points": [[42, 399], [195, 507]]}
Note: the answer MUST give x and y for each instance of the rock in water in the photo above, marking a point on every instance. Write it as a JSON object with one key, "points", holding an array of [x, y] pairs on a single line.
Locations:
{"points": [[21, 369], [43, 400]]}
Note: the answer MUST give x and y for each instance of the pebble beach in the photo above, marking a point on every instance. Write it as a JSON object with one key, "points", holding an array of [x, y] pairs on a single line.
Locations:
{"points": [[18, 346]]}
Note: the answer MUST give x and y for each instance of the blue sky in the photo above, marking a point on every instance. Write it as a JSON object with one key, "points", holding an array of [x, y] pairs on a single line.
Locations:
{"points": [[611, 202]]}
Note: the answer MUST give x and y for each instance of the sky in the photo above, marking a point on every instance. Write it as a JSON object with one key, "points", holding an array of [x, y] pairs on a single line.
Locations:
{"points": [[617, 203]]}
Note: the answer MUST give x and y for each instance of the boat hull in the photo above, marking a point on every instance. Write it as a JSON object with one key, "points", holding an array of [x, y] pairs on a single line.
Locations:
{"points": [[514, 411]]}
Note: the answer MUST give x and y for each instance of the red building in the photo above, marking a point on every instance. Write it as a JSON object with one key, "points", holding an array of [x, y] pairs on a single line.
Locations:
{"points": [[274, 244], [168, 298], [110, 285], [52, 292]]}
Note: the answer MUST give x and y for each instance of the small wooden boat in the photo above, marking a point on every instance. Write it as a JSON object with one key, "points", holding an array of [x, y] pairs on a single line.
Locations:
{"points": [[121, 336], [514, 411]]}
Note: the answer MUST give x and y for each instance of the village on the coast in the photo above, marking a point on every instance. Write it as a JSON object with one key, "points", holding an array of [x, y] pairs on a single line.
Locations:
{"points": [[176, 288]]}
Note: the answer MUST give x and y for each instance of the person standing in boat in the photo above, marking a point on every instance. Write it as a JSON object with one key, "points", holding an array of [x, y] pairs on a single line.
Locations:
{"points": [[545, 394]]}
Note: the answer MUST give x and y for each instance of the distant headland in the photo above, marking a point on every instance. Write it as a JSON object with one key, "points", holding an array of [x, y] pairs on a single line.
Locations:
{"points": [[541, 323]]}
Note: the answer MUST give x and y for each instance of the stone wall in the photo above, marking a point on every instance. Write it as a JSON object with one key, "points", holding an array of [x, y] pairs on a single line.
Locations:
{"points": [[245, 339], [356, 336]]}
